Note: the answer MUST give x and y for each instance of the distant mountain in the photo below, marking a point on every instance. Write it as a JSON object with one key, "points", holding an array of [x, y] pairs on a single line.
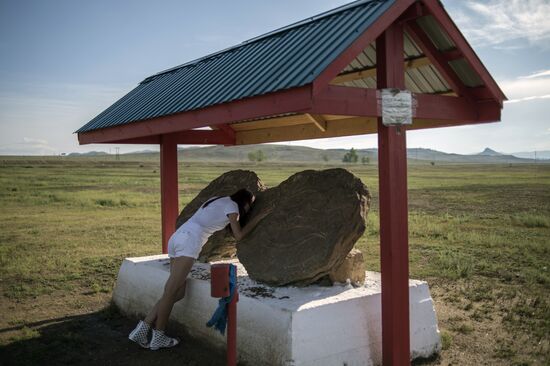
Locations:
{"points": [[89, 153], [489, 152], [143, 152], [544, 154], [301, 154], [486, 157]]}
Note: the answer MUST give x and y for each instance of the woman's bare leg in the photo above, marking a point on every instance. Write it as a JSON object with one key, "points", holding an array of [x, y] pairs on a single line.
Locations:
{"points": [[174, 290], [152, 316]]}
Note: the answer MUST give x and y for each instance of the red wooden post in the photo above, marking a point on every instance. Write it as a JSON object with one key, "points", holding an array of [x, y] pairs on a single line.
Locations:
{"points": [[168, 187], [392, 170], [219, 287], [232, 329]]}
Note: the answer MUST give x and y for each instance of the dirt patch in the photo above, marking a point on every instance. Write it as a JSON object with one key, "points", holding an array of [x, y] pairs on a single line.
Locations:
{"points": [[87, 337]]}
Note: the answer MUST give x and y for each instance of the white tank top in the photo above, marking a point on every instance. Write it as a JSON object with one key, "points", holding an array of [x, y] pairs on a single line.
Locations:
{"points": [[207, 220]]}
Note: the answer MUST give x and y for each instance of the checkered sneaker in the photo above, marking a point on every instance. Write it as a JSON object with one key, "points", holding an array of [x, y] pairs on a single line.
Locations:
{"points": [[161, 340], [140, 333]]}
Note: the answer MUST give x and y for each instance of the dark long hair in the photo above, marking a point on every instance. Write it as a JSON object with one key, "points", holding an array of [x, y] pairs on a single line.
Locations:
{"points": [[242, 197]]}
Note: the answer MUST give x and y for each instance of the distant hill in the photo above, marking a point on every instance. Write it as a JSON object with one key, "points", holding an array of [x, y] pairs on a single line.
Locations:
{"points": [[544, 154], [90, 153], [302, 154], [274, 153], [487, 156], [489, 152]]}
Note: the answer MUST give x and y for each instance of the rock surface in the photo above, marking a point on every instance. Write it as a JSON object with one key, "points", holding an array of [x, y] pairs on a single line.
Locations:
{"points": [[317, 218], [352, 268], [221, 244]]}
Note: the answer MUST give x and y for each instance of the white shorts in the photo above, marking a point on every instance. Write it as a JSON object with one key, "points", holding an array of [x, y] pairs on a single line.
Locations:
{"points": [[184, 244]]}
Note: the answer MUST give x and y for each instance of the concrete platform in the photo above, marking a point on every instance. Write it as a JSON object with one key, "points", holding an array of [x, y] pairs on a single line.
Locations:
{"points": [[290, 326]]}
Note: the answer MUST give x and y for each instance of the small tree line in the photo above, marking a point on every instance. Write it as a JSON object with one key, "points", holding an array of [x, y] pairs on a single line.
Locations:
{"points": [[349, 157], [352, 157], [257, 156]]}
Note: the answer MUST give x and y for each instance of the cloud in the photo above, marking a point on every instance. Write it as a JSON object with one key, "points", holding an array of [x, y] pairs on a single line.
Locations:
{"points": [[523, 88], [527, 99], [537, 75], [29, 146], [29, 140], [494, 22]]}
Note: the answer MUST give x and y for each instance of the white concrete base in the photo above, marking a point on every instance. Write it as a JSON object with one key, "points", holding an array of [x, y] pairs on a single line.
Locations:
{"points": [[337, 325]]}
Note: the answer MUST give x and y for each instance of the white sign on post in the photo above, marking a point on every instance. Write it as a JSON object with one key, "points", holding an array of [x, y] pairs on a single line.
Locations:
{"points": [[396, 106]]}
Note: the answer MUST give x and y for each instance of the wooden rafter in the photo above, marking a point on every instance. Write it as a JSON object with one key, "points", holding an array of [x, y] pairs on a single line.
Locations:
{"points": [[318, 121], [369, 72], [296, 119], [335, 128]]}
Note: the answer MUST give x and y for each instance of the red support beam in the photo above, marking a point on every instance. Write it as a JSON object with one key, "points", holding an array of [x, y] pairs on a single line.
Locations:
{"points": [[168, 187], [190, 137], [345, 101], [281, 102], [148, 140], [348, 101], [392, 170], [414, 11], [230, 132], [459, 109]]}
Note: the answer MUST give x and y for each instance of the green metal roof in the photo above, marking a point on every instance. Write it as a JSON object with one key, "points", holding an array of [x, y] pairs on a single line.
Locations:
{"points": [[286, 58]]}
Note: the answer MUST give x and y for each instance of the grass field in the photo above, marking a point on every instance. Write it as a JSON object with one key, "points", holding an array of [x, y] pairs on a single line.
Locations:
{"points": [[479, 234]]}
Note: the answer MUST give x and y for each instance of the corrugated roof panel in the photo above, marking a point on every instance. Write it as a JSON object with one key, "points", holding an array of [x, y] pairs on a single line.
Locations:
{"points": [[419, 80], [371, 82], [370, 51], [411, 84], [286, 58], [363, 60], [433, 77], [465, 72], [438, 36], [435, 72], [411, 49]]}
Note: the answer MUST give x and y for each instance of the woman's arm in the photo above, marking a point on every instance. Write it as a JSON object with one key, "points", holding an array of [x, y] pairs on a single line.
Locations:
{"points": [[239, 232]]}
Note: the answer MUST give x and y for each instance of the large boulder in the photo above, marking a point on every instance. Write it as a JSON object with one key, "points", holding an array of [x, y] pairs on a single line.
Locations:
{"points": [[221, 244], [317, 218]]}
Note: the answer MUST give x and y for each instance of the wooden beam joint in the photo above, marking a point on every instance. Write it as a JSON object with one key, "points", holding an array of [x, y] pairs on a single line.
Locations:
{"points": [[318, 121]]}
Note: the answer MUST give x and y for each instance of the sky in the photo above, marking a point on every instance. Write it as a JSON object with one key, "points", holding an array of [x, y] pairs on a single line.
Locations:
{"points": [[62, 62]]}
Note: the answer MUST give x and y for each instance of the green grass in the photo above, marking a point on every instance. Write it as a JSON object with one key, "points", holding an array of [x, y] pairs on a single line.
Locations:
{"points": [[446, 341], [481, 231]]}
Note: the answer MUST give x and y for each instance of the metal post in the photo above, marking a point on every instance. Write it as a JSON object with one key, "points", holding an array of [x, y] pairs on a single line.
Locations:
{"points": [[168, 187], [392, 168]]}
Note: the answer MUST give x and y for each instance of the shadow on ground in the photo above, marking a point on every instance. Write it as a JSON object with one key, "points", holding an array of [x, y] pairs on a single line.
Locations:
{"points": [[99, 338]]}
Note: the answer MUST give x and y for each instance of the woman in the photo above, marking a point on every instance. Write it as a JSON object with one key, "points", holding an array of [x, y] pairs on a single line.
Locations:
{"points": [[184, 247]]}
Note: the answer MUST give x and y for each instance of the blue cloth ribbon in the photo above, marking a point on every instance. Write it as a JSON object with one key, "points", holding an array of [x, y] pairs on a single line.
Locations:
{"points": [[219, 318]]}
